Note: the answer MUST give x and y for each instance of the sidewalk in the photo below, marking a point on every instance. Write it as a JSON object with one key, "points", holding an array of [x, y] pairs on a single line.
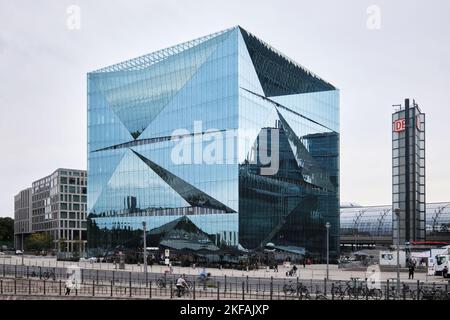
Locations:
{"points": [[314, 272]]}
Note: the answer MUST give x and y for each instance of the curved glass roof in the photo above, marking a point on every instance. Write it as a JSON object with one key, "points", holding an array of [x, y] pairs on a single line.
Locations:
{"points": [[376, 221]]}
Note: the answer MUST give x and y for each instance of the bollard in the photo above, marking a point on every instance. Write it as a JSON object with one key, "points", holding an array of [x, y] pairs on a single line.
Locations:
{"points": [[130, 284], [28, 273], [404, 291], [225, 289], [325, 286], [1, 286], [29, 287], [40, 272], [171, 291], [60, 286], [418, 290], [93, 288], [15, 271], [111, 293], [82, 276], [243, 290], [97, 276], [150, 285], [15, 287], [332, 291], [247, 283], [44, 288], [387, 289], [3, 271], [218, 290], [271, 288]]}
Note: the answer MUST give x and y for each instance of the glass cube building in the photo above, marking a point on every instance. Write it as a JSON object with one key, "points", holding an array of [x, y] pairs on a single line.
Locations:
{"points": [[181, 137]]}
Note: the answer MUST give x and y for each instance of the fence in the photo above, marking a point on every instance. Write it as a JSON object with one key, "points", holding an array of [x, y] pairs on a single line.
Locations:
{"points": [[26, 280]]}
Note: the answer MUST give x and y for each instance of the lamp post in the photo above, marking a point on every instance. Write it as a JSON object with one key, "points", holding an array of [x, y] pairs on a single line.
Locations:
{"points": [[22, 244], [397, 214], [145, 249], [328, 225]]}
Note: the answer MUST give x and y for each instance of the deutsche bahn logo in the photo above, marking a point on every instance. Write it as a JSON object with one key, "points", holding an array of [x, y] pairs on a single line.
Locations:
{"points": [[399, 125]]}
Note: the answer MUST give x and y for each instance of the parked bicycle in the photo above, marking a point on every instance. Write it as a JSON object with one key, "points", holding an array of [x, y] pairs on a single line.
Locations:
{"points": [[44, 275], [433, 293], [296, 288]]}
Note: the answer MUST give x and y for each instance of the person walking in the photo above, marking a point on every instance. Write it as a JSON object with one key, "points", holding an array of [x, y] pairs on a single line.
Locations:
{"points": [[69, 286], [304, 263], [411, 271], [445, 272]]}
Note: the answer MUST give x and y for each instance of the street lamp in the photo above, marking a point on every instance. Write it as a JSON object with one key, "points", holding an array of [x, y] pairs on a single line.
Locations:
{"points": [[397, 214], [145, 250], [328, 225], [22, 244]]}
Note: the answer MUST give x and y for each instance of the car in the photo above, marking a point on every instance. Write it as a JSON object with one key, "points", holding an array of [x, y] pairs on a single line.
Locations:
{"points": [[19, 252]]}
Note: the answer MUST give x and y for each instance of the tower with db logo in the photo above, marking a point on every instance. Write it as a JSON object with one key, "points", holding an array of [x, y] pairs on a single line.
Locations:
{"points": [[408, 173]]}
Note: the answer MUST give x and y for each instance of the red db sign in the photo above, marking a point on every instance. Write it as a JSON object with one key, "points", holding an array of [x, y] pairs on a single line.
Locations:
{"points": [[399, 125]]}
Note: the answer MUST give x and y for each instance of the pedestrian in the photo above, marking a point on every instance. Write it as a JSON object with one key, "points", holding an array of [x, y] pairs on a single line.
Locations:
{"points": [[294, 270], [69, 285], [411, 271], [275, 267], [445, 272], [304, 263]]}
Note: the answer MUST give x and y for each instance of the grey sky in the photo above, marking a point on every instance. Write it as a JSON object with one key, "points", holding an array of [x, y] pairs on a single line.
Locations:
{"points": [[43, 68]]}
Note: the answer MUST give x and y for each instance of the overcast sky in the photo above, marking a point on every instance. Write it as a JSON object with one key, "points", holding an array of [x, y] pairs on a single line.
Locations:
{"points": [[43, 66]]}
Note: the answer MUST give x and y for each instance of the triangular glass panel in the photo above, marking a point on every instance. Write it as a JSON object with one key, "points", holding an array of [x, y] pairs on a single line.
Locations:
{"points": [[138, 96], [192, 195], [136, 190]]}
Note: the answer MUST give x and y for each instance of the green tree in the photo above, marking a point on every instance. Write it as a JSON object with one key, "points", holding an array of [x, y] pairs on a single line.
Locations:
{"points": [[6, 231], [63, 244], [39, 241]]}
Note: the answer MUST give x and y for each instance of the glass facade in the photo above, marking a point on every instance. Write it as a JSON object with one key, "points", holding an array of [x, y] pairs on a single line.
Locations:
{"points": [[185, 132]]}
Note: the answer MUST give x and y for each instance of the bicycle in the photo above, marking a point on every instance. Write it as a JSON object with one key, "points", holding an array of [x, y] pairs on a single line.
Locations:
{"points": [[433, 293], [161, 283], [45, 275], [339, 291], [299, 289], [184, 291], [319, 295]]}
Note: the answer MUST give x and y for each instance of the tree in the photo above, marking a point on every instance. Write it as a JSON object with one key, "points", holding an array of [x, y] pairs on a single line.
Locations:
{"points": [[62, 244], [6, 231], [39, 241]]}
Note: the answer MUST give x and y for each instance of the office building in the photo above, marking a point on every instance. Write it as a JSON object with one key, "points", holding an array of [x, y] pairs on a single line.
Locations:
{"points": [[22, 217], [223, 138], [55, 205]]}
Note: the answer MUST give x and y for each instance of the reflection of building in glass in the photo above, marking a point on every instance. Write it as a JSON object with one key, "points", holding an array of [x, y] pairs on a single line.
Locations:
{"points": [[408, 173], [228, 82], [372, 225]]}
